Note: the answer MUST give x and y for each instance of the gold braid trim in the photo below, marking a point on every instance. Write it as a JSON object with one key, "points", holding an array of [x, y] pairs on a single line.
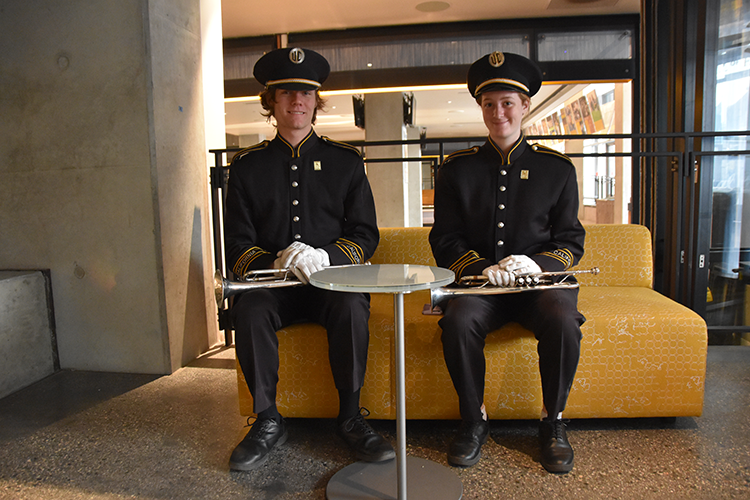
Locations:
{"points": [[240, 267], [351, 249], [465, 260]]}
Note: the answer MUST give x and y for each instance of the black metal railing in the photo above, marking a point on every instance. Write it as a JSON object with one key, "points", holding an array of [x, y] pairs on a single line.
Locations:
{"points": [[688, 232]]}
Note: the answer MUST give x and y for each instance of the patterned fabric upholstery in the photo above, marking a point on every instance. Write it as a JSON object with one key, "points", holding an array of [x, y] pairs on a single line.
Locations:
{"points": [[642, 354]]}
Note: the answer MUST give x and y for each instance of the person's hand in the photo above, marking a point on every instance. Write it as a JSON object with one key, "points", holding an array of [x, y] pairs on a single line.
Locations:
{"points": [[309, 261], [519, 265], [499, 276], [286, 256]]}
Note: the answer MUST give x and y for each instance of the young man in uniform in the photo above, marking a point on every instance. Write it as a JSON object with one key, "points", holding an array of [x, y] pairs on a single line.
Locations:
{"points": [[505, 209], [299, 202]]}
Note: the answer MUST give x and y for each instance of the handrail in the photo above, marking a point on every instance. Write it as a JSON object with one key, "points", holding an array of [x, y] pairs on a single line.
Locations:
{"points": [[683, 154]]}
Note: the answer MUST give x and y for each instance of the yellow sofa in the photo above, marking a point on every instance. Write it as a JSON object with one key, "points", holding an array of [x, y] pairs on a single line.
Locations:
{"points": [[642, 354]]}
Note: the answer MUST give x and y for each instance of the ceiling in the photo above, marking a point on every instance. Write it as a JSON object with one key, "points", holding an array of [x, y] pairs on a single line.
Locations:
{"points": [[243, 18], [444, 112]]}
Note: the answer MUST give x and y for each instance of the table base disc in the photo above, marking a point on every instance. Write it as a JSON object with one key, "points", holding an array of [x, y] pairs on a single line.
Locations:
{"points": [[426, 480]]}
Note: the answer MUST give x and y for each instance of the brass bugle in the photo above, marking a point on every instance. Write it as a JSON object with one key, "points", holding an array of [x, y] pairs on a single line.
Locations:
{"points": [[480, 285], [264, 278]]}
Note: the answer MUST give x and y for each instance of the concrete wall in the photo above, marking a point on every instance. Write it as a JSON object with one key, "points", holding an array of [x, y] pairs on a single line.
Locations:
{"points": [[103, 176]]}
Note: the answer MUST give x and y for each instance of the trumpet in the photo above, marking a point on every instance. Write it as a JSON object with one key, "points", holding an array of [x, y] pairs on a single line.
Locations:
{"points": [[262, 278], [480, 285], [259, 278]]}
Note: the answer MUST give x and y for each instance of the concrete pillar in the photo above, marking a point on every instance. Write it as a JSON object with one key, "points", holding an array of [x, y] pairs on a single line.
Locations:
{"points": [[103, 176], [572, 147], [396, 186], [414, 180], [623, 166]]}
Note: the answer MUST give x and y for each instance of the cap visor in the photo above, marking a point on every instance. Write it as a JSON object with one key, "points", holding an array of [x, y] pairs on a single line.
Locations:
{"points": [[500, 86], [295, 86]]}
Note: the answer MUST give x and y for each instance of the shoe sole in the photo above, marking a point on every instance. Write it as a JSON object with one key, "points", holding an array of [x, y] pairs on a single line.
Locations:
{"points": [[380, 458], [462, 462], [259, 463], [557, 469]]}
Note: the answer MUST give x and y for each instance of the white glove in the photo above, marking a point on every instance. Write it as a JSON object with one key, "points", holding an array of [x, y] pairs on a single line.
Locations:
{"points": [[499, 276], [519, 265], [286, 256], [309, 261]]}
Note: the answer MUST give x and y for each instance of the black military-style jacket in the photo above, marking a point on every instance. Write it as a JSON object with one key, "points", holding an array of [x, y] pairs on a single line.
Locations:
{"points": [[488, 206], [316, 193]]}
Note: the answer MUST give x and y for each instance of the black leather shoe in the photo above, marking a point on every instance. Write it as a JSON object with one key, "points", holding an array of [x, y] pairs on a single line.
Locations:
{"points": [[367, 444], [466, 447], [557, 454], [252, 452]]}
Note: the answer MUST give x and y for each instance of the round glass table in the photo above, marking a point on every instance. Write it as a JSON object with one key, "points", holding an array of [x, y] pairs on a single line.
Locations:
{"points": [[363, 480]]}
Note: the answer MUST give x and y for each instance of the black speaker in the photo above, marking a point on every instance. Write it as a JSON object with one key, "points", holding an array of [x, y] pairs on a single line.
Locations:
{"points": [[409, 104], [358, 104]]}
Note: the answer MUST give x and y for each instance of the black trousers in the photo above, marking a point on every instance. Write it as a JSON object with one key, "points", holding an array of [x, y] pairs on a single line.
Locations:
{"points": [[552, 316], [259, 314]]}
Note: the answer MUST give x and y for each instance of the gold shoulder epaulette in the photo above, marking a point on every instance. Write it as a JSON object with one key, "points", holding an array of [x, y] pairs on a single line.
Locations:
{"points": [[243, 152], [462, 152], [544, 149], [341, 145]]}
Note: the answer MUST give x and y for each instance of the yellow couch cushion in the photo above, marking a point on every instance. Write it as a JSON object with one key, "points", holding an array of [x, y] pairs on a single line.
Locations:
{"points": [[622, 252]]}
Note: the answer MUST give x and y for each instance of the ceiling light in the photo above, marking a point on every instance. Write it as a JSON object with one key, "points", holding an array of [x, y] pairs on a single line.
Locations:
{"points": [[432, 6]]}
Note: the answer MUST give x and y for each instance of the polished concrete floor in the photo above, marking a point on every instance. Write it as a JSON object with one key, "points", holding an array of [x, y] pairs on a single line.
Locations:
{"points": [[82, 435]]}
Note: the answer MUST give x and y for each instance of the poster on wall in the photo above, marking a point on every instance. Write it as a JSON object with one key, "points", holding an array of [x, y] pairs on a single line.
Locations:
{"points": [[564, 120], [596, 111], [577, 117], [543, 126], [556, 122], [551, 125], [586, 113], [570, 126]]}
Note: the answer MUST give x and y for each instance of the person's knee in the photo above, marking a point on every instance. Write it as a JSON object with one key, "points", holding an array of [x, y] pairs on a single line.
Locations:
{"points": [[250, 314], [348, 307]]}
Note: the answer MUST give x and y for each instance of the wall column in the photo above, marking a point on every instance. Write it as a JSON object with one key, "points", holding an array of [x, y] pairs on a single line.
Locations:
{"points": [[103, 176], [398, 198]]}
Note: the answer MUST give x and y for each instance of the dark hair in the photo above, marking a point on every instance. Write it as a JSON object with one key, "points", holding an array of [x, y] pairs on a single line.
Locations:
{"points": [[268, 99]]}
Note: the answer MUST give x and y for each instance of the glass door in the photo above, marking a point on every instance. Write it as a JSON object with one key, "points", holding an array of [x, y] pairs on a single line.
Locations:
{"points": [[726, 165]]}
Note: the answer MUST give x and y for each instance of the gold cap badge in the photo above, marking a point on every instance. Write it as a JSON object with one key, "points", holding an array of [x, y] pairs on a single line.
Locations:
{"points": [[497, 59]]}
